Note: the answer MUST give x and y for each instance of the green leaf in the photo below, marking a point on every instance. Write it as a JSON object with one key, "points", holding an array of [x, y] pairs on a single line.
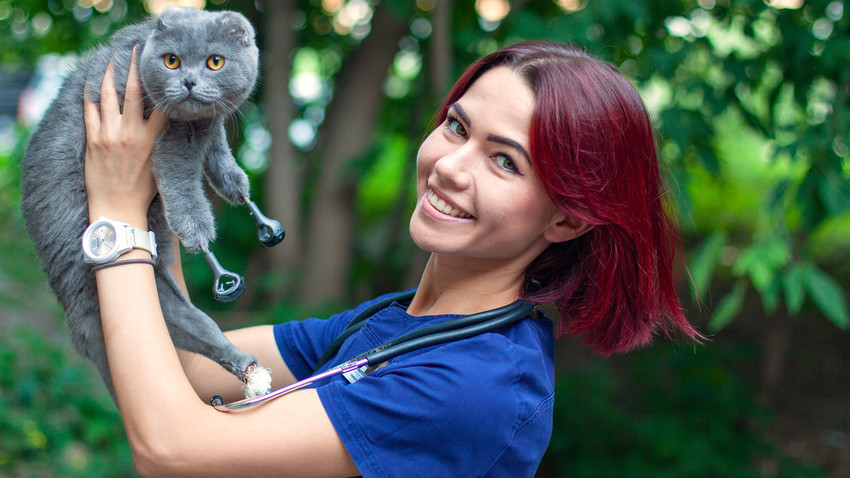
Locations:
{"points": [[727, 309], [831, 193], [762, 262], [705, 261], [827, 296], [792, 283]]}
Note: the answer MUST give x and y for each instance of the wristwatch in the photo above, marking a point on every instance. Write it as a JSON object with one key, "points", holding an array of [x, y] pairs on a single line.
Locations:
{"points": [[105, 240]]}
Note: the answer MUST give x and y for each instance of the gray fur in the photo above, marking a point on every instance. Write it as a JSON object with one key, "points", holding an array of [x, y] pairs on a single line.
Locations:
{"points": [[193, 144]]}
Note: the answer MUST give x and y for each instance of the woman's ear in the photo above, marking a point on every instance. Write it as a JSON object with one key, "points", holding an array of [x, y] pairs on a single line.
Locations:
{"points": [[565, 228]]}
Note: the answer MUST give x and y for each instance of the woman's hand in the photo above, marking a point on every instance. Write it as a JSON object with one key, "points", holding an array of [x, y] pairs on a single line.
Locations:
{"points": [[118, 173]]}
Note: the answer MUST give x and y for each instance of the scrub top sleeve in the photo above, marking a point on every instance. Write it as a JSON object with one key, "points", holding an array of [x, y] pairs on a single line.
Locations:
{"points": [[301, 343]]}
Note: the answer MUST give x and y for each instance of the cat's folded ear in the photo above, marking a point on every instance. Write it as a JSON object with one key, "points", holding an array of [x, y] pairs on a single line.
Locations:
{"points": [[160, 24], [166, 18], [237, 28]]}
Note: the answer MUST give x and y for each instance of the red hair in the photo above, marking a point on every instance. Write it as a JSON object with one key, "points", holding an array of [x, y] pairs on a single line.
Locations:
{"points": [[593, 147]]}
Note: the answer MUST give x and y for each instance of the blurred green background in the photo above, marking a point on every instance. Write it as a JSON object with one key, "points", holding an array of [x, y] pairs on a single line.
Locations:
{"points": [[751, 102]]}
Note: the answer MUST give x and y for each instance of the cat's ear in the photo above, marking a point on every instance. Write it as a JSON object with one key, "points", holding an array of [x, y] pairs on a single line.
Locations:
{"points": [[237, 28], [162, 21]]}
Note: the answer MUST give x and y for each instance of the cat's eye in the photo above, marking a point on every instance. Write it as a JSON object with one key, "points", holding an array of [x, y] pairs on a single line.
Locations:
{"points": [[172, 61], [215, 62]]}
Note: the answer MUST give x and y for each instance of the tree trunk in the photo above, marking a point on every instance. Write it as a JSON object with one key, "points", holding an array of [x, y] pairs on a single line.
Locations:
{"points": [[441, 49], [775, 345], [282, 178], [346, 133]]}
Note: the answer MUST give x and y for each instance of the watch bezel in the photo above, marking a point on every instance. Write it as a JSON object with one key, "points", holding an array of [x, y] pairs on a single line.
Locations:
{"points": [[119, 248]]}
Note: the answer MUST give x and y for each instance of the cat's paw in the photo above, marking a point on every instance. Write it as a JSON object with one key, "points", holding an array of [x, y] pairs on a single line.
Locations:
{"points": [[258, 381], [233, 185], [196, 231]]}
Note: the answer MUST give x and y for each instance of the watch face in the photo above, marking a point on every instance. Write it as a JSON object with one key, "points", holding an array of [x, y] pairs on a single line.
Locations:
{"points": [[102, 240]]}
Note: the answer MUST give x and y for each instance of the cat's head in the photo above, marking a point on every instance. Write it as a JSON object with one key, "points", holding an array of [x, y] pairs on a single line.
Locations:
{"points": [[199, 64]]}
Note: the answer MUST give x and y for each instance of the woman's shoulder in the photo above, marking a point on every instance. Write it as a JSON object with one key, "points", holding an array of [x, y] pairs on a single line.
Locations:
{"points": [[513, 364]]}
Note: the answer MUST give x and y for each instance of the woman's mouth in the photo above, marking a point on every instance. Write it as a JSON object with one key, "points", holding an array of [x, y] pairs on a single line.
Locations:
{"points": [[445, 208]]}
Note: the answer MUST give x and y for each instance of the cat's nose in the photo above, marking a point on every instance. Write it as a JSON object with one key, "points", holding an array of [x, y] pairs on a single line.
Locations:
{"points": [[188, 83]]}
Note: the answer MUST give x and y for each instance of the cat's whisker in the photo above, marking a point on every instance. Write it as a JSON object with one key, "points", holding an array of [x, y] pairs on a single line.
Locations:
{"points": [[232, 112], [238, 114]]}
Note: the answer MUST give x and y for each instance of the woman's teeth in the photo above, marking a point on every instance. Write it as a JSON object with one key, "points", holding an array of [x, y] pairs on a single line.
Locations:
{"points": [[441, 206]]}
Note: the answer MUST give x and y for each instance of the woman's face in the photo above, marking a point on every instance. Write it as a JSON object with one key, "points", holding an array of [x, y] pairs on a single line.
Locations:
{"points": [[479, 195]]}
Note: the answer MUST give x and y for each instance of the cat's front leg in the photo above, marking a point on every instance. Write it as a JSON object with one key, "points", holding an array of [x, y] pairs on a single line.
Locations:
{"points": [[231, 183], [178, 168], [195, 331], [224, 175]]}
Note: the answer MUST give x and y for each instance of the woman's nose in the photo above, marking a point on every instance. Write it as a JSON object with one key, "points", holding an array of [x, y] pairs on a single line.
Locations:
{"points": [[456, 167]]}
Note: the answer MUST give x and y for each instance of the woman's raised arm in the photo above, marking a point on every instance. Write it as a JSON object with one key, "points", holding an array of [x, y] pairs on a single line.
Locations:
{"points": [[170, 430]]}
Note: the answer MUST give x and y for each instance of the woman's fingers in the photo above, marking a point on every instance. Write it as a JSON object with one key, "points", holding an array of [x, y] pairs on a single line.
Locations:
{"points": [[133, 105], [134, 102], [91, 113], [108, 96], [156, 122], [119, 143], [113, 122]]}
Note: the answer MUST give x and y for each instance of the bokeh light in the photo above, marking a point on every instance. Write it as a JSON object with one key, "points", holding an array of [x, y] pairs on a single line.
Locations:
{"points": [[571, 5], [156, 7], [492, 10], [790, 4]]}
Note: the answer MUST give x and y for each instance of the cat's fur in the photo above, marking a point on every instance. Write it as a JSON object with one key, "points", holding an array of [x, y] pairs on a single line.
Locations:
{"points": [[193, 144]]}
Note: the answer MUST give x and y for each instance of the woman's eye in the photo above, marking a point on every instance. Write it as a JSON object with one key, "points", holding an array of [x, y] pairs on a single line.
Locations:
{"points": [[171, 60], [506, 163], [215, 62], [456, 128]]}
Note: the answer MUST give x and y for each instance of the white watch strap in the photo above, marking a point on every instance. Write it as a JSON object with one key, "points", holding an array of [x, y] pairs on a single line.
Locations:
{"points": [[141, 239]]}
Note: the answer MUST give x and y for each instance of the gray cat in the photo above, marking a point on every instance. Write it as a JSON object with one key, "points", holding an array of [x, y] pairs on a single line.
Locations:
{"points": [[198, 66]]}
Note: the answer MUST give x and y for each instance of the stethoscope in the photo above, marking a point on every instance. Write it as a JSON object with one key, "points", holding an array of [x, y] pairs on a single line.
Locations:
{"points": [[363, 364]]}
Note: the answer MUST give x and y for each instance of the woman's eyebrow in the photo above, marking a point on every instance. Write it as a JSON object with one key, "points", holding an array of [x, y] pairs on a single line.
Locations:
{"points": [[460, 112], [509, 142], [458, 109]]}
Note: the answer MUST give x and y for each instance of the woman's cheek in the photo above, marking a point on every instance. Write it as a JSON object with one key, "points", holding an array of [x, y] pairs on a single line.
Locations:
{"points": [[425, 159]]}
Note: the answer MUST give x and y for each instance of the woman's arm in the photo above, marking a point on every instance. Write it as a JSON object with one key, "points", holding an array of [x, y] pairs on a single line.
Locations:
{"points": [[170, 430]]}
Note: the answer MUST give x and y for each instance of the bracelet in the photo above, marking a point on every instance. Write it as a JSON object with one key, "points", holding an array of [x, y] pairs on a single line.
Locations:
{"points": [[126, 261]]}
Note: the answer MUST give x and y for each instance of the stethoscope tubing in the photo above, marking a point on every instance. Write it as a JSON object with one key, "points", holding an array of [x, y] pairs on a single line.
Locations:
{"points": [[357, 322], [416, 340], [456, 329], [247, 403]]}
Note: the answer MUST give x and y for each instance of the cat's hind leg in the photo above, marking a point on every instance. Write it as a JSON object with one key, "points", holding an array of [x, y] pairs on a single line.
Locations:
{"points": [[87, 336], [194, 331]]}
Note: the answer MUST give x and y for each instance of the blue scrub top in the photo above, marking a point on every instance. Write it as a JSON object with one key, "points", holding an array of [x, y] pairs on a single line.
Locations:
{"points": [[481, 406]]}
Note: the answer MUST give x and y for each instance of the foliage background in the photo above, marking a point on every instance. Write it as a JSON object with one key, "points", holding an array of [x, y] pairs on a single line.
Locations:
{"points": [[751, 101]]}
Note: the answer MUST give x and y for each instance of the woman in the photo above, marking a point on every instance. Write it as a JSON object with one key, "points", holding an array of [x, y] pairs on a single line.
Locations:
{"points": [[540, 182]]}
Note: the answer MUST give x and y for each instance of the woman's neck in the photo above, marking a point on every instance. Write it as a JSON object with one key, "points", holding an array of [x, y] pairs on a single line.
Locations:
{"points": [[452, 286]]}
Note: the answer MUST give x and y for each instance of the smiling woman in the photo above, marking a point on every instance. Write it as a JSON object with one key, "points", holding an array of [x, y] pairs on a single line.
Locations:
{"points": [[504, 217], [594, 152], [539, 184]]}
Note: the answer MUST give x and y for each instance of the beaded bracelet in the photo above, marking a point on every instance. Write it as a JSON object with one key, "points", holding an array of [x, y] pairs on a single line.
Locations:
{"points": [[126, 261]]}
